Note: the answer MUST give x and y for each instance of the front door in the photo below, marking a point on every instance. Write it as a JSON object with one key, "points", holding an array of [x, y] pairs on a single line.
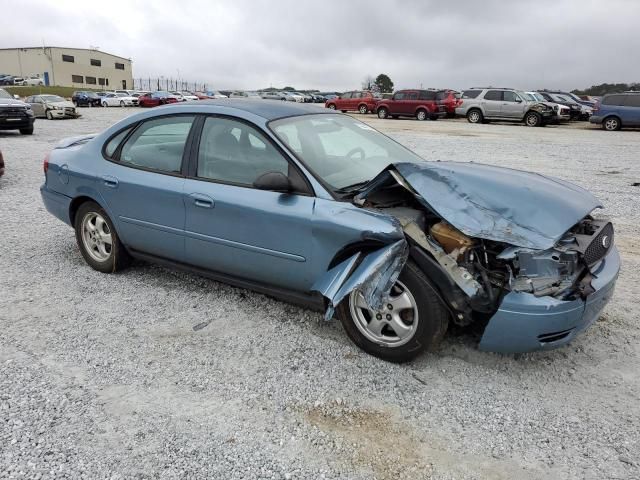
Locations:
{"points": [[512, 105], [143, 186], [232, 227]]}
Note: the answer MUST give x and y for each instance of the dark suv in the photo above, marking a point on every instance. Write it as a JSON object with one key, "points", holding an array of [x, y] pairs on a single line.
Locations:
{"points": [[617, 110], [86, 99], [362, 101], [421, 104], [15, 114]]}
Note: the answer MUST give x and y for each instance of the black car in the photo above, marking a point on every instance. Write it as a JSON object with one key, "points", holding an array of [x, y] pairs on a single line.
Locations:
{"points": [[15, 114], [85, 99], [7, 80], [553, 97]]}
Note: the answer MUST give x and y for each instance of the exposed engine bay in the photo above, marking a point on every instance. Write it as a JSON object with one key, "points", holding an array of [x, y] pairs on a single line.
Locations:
{"points": [[484, 270]]}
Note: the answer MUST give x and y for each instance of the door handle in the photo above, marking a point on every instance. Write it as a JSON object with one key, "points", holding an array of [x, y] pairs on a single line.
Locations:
{"points": [[201, 200], [109, 181]]}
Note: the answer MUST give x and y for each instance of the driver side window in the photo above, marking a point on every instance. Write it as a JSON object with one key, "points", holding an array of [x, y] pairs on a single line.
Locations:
{"points": [[509, 96], [235, 152]]}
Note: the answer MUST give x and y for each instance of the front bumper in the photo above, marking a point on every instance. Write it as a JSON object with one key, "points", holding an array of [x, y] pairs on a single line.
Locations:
{"points": [[525, 323], [16, 122], [596, 119]]}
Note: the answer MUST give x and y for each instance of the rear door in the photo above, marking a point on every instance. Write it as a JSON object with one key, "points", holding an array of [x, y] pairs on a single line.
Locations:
{"points": [[512, 105], [342, 102], [143, 185], [631, 110], [492, 103], [232, 227]]}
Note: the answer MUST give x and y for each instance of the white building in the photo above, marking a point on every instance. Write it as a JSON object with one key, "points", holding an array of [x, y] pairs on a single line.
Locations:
{"points": [[68, 67]]}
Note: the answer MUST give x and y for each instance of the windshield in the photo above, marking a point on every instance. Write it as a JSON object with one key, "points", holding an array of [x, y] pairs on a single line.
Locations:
{"points": [[538, 97], [342, 151], [52, 98], [528, 97], [4, 94]]}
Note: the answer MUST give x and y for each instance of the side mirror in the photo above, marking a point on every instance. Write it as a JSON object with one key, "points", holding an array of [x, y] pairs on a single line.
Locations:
{"points": [[17, 97], [518, 100], [273, 181]]}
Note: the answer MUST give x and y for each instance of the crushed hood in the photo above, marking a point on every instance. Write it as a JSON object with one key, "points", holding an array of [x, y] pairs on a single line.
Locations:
{"points": [[495, 203]]}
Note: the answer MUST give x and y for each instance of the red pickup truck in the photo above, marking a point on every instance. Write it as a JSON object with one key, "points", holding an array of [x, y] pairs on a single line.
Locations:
{"points": [[421, 104], [362, 101]]}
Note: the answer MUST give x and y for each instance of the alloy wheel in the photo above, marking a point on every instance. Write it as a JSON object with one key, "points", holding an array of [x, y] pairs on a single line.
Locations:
{"points": [[96, 237], [611, 124], [363, 109], [474, 116], [394, 324]]}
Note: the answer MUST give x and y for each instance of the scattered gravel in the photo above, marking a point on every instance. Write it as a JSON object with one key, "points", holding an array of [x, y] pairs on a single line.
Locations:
{"points": [[157, 374]]}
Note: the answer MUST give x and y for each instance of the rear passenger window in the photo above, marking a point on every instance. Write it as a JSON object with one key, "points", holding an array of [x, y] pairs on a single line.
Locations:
{"points": [[493, 95], [111, 147], [471, 93], [427, 95], [357, 95], [400, 96], [612, 100], [633, 101], [234, 152], [346, 95], [509, 96], [411, 96], [158, 144]]}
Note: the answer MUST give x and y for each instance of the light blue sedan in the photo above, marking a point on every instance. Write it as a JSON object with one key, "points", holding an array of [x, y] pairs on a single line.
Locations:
{"points": [[320, 209]]}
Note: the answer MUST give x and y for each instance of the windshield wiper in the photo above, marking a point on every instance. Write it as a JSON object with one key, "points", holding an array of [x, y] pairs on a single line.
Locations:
{"points": [[352, 188]]}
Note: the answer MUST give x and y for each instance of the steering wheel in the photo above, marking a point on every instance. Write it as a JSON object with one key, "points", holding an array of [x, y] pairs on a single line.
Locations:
{"points": [[353, 151]]}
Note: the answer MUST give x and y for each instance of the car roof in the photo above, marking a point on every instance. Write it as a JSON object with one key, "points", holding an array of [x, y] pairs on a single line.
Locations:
{"points": [[265, 109]]}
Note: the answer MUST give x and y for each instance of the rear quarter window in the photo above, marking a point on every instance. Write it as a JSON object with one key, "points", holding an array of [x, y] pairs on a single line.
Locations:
{"points": [[617, 100], [471, 93], [112, 145]]}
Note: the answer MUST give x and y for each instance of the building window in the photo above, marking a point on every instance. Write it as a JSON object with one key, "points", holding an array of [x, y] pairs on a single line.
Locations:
{"points": [[119, 66], [96, 63], [103, 81], [91, 80], [68, 58], [77, 79]]}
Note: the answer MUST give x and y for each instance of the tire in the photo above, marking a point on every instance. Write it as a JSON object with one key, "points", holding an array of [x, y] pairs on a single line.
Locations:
{"points": [[121, 103], [332, 106], [533, 119], [475, 116], [433, 118], [363, 109], [421, 115], [424, 332], [383, 113], [104, 104], [611, 124], [93, 245], [343, 111], [49, 115], [27, 131]]}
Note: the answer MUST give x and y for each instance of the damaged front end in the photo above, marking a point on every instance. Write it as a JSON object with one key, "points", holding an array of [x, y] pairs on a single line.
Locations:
{"points": [[515, 252]]}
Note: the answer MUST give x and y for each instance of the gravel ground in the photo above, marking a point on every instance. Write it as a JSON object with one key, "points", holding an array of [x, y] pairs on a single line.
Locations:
{"points": [[105, 376]]}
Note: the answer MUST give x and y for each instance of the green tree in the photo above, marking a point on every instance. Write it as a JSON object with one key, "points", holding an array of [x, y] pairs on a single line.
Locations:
{"points": [[384, 83]]}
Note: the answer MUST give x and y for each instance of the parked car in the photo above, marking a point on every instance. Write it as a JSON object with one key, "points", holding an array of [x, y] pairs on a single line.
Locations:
{"points": [[586, 108], [18, 81], [449, 99], [1, 164], [340, 218], [503, 104], [127, 93], [156, 99], [213, 94], [274, 96], [617, 110], [245, 95], [52, 107], [317, 98], [6, 79], [420, 104], [33, 81], [178, 96], [294, 97], [118, 99], [306, 98], [362, 101], [575, 107], [15, 114], [562, 112], [186, 95], [86, 99]]}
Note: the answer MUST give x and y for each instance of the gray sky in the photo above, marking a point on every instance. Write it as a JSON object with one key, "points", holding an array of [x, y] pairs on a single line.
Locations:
{"points": [[335, 44]]}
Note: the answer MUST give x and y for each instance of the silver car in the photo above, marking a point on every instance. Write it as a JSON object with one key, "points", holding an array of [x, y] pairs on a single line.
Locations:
{"points": [[274, 96], [481, 105], [52, 106]]}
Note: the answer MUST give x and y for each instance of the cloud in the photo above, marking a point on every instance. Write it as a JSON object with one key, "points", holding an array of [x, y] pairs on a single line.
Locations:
{"points": [[334, 44]]}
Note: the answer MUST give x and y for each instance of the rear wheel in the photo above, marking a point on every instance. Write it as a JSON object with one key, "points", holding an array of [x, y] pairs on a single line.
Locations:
{"points": [[474, 116], [104, 104], [332, 106], [611, 124], [412, 319], [343, 111], [97, 239], [383, 113], [49, 115], [363, 109]]}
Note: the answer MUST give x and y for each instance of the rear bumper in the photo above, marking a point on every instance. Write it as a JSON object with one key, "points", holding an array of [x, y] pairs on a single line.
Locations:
{"points": [[596, 119], [56, 204], [525, 323]]}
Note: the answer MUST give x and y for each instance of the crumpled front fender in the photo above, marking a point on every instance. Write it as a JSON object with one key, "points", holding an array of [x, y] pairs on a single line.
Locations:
{"points": [[373, 274]]}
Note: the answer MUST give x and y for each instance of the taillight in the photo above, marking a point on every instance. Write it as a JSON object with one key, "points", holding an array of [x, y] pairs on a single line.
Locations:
{"points": [[596, 107], [45, 164]]}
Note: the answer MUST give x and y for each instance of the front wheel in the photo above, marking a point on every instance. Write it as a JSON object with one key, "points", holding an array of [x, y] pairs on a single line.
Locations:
{"points": [[27, 131], [332, 106], [533, 119], [363, 109], [121, 103], [421, 115], [49, 115], [97, 239], [611, 124], [412, 318], [474, 116], [104, 104]]}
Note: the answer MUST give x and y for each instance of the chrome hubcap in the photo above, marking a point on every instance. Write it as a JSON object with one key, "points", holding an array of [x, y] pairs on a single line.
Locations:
{"points": [[363, 109], [382, 113], [532, 120], [474, 117], [611, 124], [394, 324], [422, 115], [96, 237]]}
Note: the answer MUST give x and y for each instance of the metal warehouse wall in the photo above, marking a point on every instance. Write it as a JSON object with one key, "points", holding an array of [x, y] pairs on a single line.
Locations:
{"points": [[47, 62]]}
